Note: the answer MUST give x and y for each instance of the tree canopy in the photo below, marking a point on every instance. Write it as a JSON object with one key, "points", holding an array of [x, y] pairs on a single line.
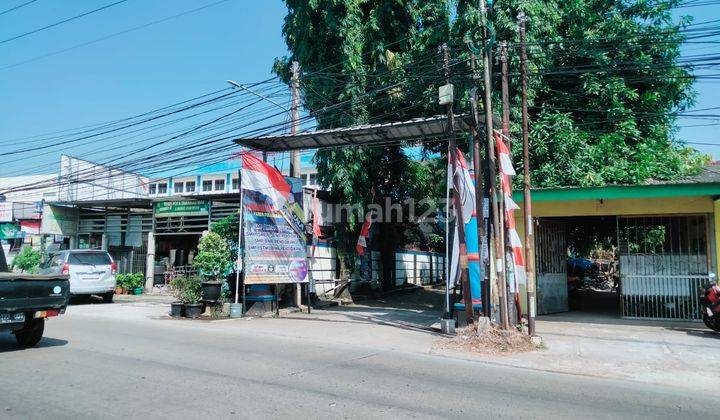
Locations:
{"points": [[604, 85]]}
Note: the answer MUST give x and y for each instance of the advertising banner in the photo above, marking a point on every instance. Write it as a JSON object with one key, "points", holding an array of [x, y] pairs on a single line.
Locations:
{"points": [[181, 208], [59, 220], [6, 211], [10, 231], [273, 224]]}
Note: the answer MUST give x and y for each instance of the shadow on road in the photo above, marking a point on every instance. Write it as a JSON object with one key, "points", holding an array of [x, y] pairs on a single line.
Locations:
{"points": [[8, 343]]}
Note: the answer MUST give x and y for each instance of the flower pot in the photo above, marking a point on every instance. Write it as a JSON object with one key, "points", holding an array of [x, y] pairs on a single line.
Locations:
{"points": [[137, 291], [119, 290], [211, 290], [194, 310], [177, 309]]}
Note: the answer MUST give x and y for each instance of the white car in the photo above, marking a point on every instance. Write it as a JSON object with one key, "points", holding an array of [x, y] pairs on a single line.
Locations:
{"points": [[92, 272]]}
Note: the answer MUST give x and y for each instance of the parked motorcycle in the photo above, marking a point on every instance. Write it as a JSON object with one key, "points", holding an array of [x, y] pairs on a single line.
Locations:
{"points": [[711, 306]]}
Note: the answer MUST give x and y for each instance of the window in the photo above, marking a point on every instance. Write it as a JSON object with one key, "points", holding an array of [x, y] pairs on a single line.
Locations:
{"points": [[304, 179], [219, 185], [153, 189], [313, 179], [89, 258], [190, 186], [162, 188], [178, 187], [235, 184], [207, 185]]}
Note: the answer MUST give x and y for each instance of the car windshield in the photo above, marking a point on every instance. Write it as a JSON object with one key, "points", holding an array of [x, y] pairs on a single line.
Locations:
{"points": [[89, 258]]}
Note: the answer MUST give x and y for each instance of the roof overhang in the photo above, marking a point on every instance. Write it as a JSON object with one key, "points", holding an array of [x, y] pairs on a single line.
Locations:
{"points": [[418, 130], [614, 192]]}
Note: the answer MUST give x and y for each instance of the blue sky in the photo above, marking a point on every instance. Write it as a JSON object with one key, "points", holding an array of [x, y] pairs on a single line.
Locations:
{"points": [[161, 64]]}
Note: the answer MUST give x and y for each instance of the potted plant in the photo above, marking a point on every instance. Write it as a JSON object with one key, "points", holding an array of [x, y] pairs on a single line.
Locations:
{"points": [[137, 281], [191, 296], [120, 281], [213, 262], [177, 308]]}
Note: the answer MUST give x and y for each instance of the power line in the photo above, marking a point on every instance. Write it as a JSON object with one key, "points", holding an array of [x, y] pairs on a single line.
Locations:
{"points": [[17, 7], [113, 35], [52, 25]]}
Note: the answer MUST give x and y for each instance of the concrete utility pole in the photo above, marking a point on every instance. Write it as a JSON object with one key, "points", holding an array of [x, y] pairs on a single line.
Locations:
{"points": [[479, 194], [294, 155], [295, 117], [527, 205], [460, 223], [506, 133], [497, 229]]}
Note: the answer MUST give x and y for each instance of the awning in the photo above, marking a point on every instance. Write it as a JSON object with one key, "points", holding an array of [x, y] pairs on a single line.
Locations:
{"points": [[413, 131]]}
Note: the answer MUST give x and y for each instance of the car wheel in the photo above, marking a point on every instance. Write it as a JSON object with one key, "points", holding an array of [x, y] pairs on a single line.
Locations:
{"points": [[108, 297], [31, 334]]}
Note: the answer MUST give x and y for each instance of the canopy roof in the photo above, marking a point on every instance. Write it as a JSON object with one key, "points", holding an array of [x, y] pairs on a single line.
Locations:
{"points": [[415, 130]]}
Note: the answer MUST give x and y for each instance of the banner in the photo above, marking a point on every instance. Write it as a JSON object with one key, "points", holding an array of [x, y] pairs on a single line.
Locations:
{"points": [[58, 220], [6, 211], [10, 231], [273, 226], [181, 208], [30, 227]]}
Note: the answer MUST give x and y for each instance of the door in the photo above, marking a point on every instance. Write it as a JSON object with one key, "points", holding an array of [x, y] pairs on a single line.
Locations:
{"points": [[550, 251]]}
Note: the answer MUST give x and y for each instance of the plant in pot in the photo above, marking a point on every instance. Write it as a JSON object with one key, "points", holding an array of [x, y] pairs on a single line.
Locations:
{"points": [[120, 282], [177, 308], [213, 262], [137, 281], [191, 296]]}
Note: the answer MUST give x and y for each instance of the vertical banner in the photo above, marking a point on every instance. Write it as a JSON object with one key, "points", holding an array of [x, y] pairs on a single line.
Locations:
{"points": [[273, 225]]}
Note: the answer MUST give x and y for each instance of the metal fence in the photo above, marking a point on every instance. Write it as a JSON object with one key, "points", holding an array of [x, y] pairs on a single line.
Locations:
{"points": [[664, 261], [662, 297]]}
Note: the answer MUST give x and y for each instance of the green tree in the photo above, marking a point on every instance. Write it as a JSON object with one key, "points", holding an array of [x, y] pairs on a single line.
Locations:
{"points": [[604, 88]]}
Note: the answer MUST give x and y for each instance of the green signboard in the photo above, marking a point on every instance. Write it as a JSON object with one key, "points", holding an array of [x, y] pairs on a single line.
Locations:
{"points": [[181, 208], [10, 231]]}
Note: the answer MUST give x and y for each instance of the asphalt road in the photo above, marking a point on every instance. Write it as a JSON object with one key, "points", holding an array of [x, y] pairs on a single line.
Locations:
{"points": [[129, 367]]}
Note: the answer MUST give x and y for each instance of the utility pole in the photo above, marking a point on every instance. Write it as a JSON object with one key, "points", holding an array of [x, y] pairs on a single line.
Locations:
{"points": [[295, 122], [294, 155], [506, 135], [527, 205], [459, 222], [497, 229], [479, 194]]}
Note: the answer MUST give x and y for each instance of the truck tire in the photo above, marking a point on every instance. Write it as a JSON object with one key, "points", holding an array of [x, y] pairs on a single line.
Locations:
{"points": [[108, 297], [31, 334]]}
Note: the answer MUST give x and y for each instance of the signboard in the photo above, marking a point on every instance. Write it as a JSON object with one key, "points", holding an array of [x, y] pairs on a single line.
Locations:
{"points": [[27, 210], [275, 250], [30, 227], [181, 208], [10, 231], [59, 220], [6, 211]]}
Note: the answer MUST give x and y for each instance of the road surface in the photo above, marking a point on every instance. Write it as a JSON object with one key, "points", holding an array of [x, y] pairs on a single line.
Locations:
{"points": [[96, 363]]}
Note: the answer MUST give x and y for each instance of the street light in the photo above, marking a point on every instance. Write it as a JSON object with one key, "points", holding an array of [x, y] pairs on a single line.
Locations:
{"points": [[239, 86]]}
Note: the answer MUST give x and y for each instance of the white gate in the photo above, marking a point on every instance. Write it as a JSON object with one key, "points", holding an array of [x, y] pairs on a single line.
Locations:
{"points": [[551, 257], [664, 260]]}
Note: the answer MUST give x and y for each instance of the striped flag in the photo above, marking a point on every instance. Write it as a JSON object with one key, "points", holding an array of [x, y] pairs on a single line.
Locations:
{"points": [[364, 237], [506, 165], [263, 178]]}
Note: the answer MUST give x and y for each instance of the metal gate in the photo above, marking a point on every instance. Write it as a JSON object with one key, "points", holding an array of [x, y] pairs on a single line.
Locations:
{"points": [[550, 249], [664, 260]]}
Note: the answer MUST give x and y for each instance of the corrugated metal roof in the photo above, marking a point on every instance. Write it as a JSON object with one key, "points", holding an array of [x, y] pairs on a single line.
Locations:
{"points": [[415, 130]]}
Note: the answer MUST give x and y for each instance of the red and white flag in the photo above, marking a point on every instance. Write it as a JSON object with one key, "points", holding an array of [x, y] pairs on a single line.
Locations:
{"points": [[466, 192], [506, 171], [465, 185], [364, 237], [503, 152], [259, 176]]}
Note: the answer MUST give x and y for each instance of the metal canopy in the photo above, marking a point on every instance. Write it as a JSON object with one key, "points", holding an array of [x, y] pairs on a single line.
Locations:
{"points": [[415, 130]]}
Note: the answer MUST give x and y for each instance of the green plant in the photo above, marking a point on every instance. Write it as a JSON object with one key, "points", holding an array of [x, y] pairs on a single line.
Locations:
{"points": [[213, 260], [187, 289], [130, 280], [28, 260]]}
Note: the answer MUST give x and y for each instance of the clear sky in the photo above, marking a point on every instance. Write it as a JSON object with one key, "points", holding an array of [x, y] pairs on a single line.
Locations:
{"points": [[164, 63]]}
